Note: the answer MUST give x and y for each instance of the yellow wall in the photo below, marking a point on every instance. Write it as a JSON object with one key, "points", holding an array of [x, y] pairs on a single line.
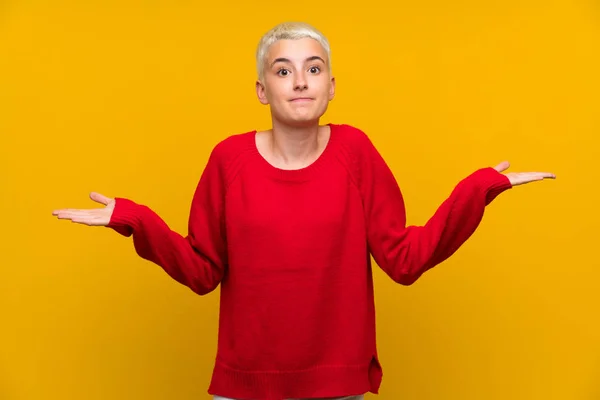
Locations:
{"points": [[128, 98]]}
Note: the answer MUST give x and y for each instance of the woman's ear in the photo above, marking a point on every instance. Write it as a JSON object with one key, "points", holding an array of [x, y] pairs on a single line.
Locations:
{"points": [[332, 89], [261, 93]]}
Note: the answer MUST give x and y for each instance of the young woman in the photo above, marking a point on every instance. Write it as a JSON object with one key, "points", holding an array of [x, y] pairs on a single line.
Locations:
{"points": [[286, 221]]}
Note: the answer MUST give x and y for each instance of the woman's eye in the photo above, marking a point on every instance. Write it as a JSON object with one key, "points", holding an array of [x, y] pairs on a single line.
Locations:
{"points": [[314, 70], [283, 72]]}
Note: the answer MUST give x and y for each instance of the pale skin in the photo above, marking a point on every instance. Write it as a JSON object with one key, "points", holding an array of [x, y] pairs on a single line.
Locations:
{"points": [[298, 87]]}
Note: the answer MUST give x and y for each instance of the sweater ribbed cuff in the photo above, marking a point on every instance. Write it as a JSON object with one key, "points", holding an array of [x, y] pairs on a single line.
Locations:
{"points": [[126, 216], [492, 183]]}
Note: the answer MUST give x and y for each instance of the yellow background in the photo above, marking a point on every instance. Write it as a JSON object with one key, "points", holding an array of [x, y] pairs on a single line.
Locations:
{"points": [[127, 98]]}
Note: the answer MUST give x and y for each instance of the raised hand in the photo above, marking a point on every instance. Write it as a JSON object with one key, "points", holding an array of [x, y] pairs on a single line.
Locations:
{"points": [[520, 178], [92, 217]]}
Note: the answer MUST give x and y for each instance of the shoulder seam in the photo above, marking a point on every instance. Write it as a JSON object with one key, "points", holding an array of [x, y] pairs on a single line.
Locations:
{"points": [[229, 161]]}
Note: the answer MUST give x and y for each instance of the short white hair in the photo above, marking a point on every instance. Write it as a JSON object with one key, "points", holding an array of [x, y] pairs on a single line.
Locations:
{"points": [[292, 31]]}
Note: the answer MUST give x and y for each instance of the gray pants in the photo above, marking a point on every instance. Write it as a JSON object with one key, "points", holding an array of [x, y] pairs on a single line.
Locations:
{"points": [[359, 397]]}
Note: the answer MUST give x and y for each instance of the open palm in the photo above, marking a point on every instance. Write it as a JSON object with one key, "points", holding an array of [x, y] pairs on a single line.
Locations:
{"points": [[92, 217], [520, 178]]}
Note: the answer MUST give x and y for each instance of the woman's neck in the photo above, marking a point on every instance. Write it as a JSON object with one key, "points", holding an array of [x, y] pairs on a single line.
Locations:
{"points": [[290, 147]]}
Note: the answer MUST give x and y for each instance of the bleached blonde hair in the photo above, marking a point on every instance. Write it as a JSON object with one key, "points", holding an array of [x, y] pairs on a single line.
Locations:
{"points": [[291, 31]]}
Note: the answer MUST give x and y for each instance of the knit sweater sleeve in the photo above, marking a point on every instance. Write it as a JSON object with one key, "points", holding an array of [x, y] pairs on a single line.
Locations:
{"points": [[406, 252], [196, 260]]}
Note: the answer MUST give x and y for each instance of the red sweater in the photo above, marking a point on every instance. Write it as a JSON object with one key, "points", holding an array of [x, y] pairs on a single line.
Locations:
{"points": [[291, 250]]}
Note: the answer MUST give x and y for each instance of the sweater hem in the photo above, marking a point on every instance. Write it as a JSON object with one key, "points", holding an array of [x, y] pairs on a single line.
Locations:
{"points": [[318, 382]]}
